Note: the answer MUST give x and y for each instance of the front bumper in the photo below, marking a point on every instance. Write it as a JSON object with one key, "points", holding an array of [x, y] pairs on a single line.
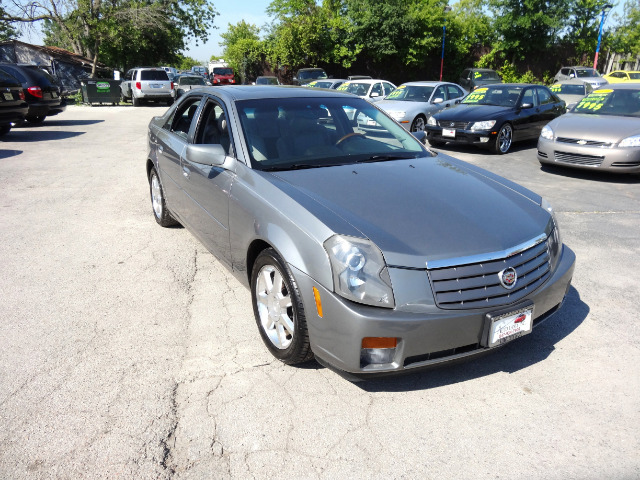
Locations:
{"points": [[462, 137], [426, 334], [586, 157]]}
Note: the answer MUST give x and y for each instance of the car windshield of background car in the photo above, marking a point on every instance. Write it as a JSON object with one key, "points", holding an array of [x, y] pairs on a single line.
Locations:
{"points": [[321, 84], [356, 88], [222, 71], [498, 96], [587, 72], [295, 133], [486, 76], [611, 102], [410, 93], [634, 76], [313, 74], [568, 89], [191, 81], [154, 75]]}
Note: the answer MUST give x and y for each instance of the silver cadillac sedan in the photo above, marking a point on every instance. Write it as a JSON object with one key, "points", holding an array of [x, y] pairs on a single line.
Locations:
{"points": [[602, 132], [361, 248]]}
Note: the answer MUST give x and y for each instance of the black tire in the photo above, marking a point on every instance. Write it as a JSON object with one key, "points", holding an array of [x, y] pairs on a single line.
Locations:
{"points": [[123, 99], [36, 119], [158, 203], [4, 129], [503, 140], [290, 347], [418, 124], [136, 101]]}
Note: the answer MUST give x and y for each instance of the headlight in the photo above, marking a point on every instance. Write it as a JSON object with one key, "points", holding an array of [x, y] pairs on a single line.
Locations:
{"points": [[359, 271], [432, 121], [630, 142], [487, 125], [547, 133], [397, 115], [554, 242]]}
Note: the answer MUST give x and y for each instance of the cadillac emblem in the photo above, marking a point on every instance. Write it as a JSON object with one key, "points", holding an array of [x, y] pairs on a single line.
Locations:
{"points": [[508, 278]]}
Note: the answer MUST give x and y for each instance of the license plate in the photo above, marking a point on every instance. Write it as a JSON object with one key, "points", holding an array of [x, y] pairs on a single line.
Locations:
{"points": [[507, 327], [156, 85], [448, 132], [8, 96]]}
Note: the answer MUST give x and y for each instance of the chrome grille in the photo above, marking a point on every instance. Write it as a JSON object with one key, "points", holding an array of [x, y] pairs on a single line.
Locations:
{"points": [[477, 285], [577, 159], [456, 125], [587, 143]]}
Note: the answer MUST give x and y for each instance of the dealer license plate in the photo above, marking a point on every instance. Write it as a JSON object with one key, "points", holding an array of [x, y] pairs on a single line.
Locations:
{"points": [[8, 96], [156, 85], [448, 132], [510, 326]]}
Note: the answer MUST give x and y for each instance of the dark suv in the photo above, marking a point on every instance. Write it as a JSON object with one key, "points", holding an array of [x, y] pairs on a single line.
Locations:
{"points": [[307, 75], [13, 107], [472, 78], [40, 91]]}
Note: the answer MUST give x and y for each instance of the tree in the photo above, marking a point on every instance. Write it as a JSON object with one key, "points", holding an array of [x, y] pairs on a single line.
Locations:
{"points": [[625, 37], [92, 27], [584, 25], [243, 49], [7, 30]]}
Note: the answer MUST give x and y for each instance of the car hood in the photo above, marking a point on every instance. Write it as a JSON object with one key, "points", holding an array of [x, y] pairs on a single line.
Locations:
{"points": [[605, 128], [420, 210], [471, 113], [401, 106]]}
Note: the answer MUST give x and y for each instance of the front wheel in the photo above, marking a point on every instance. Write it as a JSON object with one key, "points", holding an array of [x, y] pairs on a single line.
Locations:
{"points": [[503, 140], [158, 203], [4, 129], [36, 119], [418, 124], [278, 309]]}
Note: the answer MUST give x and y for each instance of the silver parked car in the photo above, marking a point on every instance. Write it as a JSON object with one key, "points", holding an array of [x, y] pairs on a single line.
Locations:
{"points": [[365, 250], [143, 84], [586, 74], [184, 83], [571, 91], [412, 103], [602, 132], [370, 90]]}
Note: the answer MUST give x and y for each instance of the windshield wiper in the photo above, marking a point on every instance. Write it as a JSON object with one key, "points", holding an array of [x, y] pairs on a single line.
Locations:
{"points": [[298, 166], [385, 158]]}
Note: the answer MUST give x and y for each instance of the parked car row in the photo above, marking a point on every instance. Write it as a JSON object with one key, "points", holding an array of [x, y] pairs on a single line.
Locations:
{"points": [[27, 93]]}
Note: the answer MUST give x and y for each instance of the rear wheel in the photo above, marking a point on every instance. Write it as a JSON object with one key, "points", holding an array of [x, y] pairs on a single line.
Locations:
{"points": [[136, 101], [503, 140], [418, 124], [278, 309], [4, 130], [158, 203], [36, 119]]}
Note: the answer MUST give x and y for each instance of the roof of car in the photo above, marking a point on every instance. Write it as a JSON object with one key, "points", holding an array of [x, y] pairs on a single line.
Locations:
{"points": [[252, 92], [426, 83], [571, 81], [620, 86], [368, 80]]}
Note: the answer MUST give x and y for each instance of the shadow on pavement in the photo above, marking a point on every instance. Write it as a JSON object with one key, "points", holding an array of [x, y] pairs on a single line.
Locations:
{"points": [[596, 176], [60, 123], [38, 135], [451, 148], [514, 356], [9, 153]]}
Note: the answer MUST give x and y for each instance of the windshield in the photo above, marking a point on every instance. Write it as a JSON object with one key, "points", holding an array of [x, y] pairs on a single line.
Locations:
{"points": [[307, 74], [222, 71], [266, 81], [153, 75], [356, 88], [294, 133], [485, 75], [497, 95], [321, 84], [411, 93], [634, 76], [570, 89], [191, 81], [587, 72], [611, 102]]}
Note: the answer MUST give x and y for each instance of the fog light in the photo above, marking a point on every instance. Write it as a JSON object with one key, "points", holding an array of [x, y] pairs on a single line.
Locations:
{"points": [[484, 139], [378, 350]]}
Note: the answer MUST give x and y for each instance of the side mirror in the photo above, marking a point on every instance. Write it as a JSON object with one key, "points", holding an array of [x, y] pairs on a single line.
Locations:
{"points": [[526, 105], [213, 155], [571, 75], [374, 94], [437, 100]]}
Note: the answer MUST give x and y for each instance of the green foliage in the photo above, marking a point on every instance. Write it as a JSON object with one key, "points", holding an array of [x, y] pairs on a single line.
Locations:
{"points": [[626, 36], [7, 30], [509, 74], [186, 63], [583, 28], [243, 50]]}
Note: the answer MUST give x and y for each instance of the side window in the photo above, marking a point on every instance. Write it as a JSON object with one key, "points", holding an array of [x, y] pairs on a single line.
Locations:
{"points": [[388, 88], [129, 75], [377, 88], [214, 128], [544, 96], [440, 93], [184, 116], [454, 92], [529, 97]]}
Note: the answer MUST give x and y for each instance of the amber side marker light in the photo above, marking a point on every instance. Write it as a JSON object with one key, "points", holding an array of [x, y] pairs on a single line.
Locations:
{"points": [[379, 342], [316, 295]]}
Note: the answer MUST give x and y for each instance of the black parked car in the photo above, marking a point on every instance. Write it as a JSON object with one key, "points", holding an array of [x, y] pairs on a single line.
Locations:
{"points": [[13, 107], [40, 91], [496, 116]]}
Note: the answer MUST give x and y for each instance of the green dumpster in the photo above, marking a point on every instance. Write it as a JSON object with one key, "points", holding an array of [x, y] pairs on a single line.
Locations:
{"points": [[98, 90]]}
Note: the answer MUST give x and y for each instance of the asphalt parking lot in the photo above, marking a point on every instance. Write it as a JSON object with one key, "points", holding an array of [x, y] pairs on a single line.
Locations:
{"points": [[128, 351]]}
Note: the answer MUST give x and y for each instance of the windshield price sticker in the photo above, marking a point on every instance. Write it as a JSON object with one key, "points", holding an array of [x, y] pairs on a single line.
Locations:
{"points": [[556, 88], [343, 86], [477, 95], [477, 74], [395, 94], [594, 101], [311, 84]]}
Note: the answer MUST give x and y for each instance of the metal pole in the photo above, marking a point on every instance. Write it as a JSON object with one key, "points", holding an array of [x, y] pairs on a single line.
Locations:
{"points": [[444, 31], [595, 60]]}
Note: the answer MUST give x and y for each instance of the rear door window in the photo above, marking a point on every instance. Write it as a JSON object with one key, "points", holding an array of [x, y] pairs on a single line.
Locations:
{"points": [[15, 72], [158, 75]]}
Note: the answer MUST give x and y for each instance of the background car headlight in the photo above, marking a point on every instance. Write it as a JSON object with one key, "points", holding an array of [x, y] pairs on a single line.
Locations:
{"points": [[486, 125], [633, 141], [554, 241], [432, 121], [359, 271], [397, 115], [547, 133]]}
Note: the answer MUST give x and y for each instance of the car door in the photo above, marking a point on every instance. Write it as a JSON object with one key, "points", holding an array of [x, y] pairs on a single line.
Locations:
{"points": [[376, 93], [550, 108], [171, 141], [125, 86], [527, 120], [207, 187]]}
